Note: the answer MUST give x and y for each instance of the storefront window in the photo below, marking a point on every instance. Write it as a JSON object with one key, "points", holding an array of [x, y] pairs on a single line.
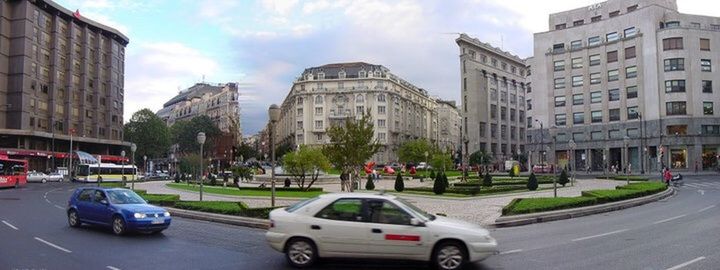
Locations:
{"points": [[678, 158], [709, 157]]}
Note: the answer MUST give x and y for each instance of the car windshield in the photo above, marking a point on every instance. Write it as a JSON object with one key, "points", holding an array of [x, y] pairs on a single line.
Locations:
{"points": [[124, 196], [416, 209]]}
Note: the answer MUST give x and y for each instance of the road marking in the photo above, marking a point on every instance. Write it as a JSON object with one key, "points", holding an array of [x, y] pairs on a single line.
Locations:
{"points": [[112, 268], [686, 263], [706, 208], [59, 207], [669, 219], [599, 235], [10, 225], [511, 251], [53, 245], [692, 185]]}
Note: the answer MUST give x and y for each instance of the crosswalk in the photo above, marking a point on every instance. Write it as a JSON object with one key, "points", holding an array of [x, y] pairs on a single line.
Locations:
{"points": [[701, 185]]}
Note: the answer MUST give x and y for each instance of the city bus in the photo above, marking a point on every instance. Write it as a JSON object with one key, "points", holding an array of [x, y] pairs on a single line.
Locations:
{"points": [[13, 172], [109, 172]]}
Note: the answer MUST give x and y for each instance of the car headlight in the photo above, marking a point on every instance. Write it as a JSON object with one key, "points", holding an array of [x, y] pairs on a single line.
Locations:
{"points": [[139, 215], [167, 214]]}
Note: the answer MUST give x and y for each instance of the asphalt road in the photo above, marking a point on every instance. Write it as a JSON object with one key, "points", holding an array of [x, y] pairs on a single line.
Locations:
{"points": [[680, 231]]}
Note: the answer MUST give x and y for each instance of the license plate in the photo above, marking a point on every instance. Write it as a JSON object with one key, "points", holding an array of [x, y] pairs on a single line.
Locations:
{"points": [[158, 221]]}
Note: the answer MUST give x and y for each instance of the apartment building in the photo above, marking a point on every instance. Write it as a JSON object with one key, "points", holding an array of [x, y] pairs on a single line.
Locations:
{"points": [[218, 101], [449, 123]]}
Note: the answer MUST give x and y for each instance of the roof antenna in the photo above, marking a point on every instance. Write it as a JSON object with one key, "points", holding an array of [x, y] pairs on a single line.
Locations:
{"points": [[502, 47]]}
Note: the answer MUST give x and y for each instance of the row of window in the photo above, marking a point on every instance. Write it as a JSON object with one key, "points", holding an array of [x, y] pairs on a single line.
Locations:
{"points": [[595, 40], [634, 133], [676, 43], [596, 78], [594, 60], [677, 64], [503, 131], [494, 63], [596, 97], [595, 18], [503, 113], [672, 108], [679, 86]]}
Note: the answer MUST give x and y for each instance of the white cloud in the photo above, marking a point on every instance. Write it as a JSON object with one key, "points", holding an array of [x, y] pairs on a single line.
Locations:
{"points": [[103, 19], [280, 7]]}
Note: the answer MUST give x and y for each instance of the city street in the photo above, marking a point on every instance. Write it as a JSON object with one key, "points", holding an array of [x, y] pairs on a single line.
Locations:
{"points": [[679, 232]]}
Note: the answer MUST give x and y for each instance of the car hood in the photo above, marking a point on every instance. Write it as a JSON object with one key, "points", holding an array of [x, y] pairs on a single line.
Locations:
{"points": [[139, 208], [457, 226]]}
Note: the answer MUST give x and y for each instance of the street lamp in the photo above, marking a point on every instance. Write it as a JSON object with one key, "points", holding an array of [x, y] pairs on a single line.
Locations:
{"points": [[605, 164], [145, 165], [542, 144], [626, 140], [642, 144], [554, 166], [572, 153], [426, 161], [122, 167], [201, 141], [133, 148], [274, 113]]}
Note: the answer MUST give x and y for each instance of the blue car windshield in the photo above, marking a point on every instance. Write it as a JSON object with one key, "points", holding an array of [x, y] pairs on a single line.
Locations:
{"points": [[124, 196]]}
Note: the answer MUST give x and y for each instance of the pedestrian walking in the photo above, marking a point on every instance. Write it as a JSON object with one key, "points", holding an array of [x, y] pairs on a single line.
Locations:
{"points": [[667, 175]]}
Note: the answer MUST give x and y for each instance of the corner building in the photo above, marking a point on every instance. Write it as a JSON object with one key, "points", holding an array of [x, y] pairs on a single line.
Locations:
{"points": [[629, 82], [60, 74]]}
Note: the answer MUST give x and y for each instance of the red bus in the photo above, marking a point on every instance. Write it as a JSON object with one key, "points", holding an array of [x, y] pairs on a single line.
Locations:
{"points": [[13, 172]]}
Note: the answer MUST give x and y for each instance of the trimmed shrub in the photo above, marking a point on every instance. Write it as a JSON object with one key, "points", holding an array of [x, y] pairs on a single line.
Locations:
{"points": [[220, 207], [445, 180], [563, 180], [470, 190], [399, 184], [432, 174], [487, 180], [160, 199], [512, 173], [369, 185], [439, 186], [533, 205], [532, 183]]}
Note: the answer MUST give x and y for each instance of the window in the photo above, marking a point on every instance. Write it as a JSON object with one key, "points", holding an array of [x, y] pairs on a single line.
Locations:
{"points": [[594, 60], [633, 133], [381, 98], [86, 195], [578, 22], [673, 44], [673, 64], [596, 135], [578, 118], [632, 112], [613, 94], [560, 119], [319, 100], [595, 78], [594, 41], [614, 134], [577, 80], [557, 48], [560, 26], [381, 123], [710, 130], [632, 8], [674, 86], [705, 65], [631, 72], [493, 130], [595, 97], [482, 128], [560, 101], [708, 108], [493, 111], [596, 18], [630, 32], [578, 99], [318, 124], [577, 63], [503, 132], [503, 113], [676, 129], [559, 83], [672, 24], [318, 110], [381, 109], [559, 65], [596, 116], [614, 13], [343, 210], [613, 75], [707, 87], [299, 125], [575, 44], [631, 92], [614, 115], [630, 52], [612, 56], [610, 37], [360, 110], [704, 44], [529, 104], [384, 212], [675, 108]]}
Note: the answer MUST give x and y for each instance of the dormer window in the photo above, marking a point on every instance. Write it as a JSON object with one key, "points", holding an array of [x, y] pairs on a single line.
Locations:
{"points": [[360, 99], [321, 76], [341, 74], [377, 73], [362, 74], [299, 100]]}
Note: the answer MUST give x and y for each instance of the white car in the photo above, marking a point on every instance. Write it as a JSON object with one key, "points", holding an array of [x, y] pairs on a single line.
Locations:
{"points": [[42, 177], [374, 226]]}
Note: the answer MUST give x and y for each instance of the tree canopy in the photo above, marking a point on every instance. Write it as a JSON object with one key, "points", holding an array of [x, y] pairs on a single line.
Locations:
{"points": [[441, 161], [351, 144], [184, 133], [480, 158], [414, 151], [306, 161], [149, 133]]}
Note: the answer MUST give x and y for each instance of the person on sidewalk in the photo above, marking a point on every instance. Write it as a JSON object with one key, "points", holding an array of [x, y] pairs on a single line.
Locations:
{"points": [[667, 175]]}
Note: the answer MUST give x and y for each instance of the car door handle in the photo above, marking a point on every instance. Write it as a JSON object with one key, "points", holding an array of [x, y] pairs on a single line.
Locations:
{"points": [[314, 227], [376, 230]]}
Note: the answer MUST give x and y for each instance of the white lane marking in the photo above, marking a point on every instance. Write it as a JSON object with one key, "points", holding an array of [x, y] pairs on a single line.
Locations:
{"points": [[669, 219], [692, 185], [59, 207], [53, 245], [112, 268], [511, 251], [598, 235], [706, 208], [10, 225], [704, 184], [686, 263]]}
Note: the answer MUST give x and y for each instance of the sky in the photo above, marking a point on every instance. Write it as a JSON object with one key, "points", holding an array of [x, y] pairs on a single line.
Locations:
{"points": [[265, 44]]}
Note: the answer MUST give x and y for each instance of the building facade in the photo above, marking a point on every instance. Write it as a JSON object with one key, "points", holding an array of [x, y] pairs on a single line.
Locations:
{"points": [[61, 75], [629, 84], [449, 122], [328, 95], [493, 99], [219, 102]]}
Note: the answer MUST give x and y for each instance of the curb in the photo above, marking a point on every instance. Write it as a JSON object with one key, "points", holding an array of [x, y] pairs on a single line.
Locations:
{"points": [[525, 219], [220, 218]]}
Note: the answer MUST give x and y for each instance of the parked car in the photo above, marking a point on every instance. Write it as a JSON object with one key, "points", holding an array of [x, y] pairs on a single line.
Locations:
{"points": [[54, 176], [42, 177], [362, 225], [119, 208], [423, 166], [542, 168]]}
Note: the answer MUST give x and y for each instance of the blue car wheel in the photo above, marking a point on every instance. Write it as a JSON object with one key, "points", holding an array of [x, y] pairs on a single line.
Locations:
{"points": [[118, 225]]}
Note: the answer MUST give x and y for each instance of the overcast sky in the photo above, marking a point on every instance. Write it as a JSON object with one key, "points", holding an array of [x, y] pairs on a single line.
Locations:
{"points": [[265, 44]]}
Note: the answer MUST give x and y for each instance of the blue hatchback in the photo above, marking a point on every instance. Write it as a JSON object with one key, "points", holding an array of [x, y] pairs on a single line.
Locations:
{"points": [[120, 208]]}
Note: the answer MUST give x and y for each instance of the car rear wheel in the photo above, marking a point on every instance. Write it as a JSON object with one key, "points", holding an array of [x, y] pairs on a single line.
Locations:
{"points": [[118, 226], [449, 256], [301, 252], [73, 219]]}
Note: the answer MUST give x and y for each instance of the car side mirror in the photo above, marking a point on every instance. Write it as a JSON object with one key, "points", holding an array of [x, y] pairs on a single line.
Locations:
{"points": [[104, 202], [416, 222]]}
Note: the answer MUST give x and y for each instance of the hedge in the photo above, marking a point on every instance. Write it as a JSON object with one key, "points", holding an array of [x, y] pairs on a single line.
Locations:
{"points": [[161, 199], [533, 205], [503, 182], [471, 190], [625, 178], [226, 207], [278, 186]]}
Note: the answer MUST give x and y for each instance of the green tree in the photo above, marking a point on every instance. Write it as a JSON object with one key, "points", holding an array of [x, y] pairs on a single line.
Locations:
{"points": [[414, 151], [445, 180], [184, 133], [369, 185], [283, 149], [399, 184], [177, 178], [149, 133], [246, 151], [521, 158], [487, 180], [190, 164], [563, 180], [441, 161], [432, 174], [480, 158], [532, 182], [306, 161], [351, 144], [439, 186]]}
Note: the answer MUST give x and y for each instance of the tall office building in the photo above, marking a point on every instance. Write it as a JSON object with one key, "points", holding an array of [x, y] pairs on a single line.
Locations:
{"points": [[61, 75], [627, 82], [493, 99]]}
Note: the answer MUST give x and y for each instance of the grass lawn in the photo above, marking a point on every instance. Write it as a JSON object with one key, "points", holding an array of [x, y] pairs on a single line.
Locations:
{"points": [[237, 192], [532, 205]]}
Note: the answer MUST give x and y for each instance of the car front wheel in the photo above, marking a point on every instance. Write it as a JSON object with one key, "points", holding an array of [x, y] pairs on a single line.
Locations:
{"points": [[118, 226], [73, 219], [449, 256], [301, 252]]}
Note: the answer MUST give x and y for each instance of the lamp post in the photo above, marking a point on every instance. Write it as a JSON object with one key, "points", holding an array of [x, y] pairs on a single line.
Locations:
{"points": [[133, 148], [172, 159], [572, 153], [626, 140], [122, 167], [274, 113], [642, 144], [426, 161], [554, 167], [542, 144], [145, 165], [605, 164], [201, 140]]}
